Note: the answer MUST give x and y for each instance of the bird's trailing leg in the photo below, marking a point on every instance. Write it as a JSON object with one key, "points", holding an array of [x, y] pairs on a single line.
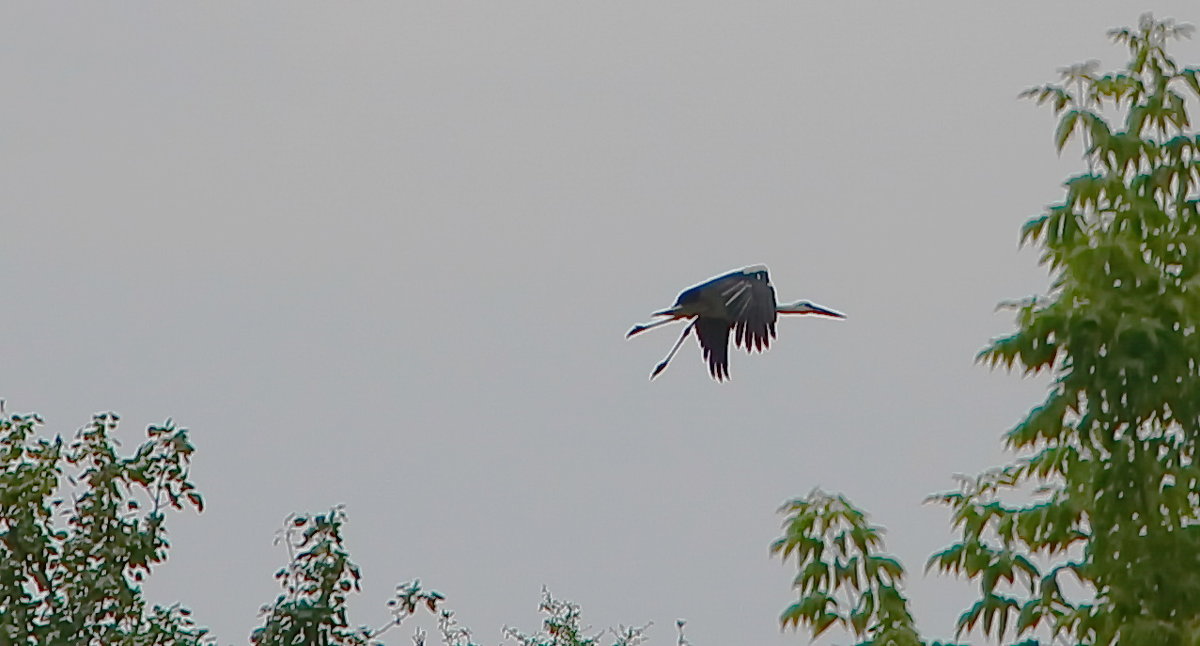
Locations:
{"points": [[642, 327], [663, 366]]}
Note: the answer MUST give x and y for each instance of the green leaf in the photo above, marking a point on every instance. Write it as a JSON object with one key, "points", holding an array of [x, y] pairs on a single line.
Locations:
{"points": [[1066, 125]]}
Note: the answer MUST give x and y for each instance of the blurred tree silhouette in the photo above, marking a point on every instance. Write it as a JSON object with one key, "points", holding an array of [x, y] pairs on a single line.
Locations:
{"points": [[1107, 548]]}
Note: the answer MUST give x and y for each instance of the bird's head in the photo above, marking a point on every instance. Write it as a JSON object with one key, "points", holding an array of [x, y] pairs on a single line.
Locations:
{"points": [[806, 307]]}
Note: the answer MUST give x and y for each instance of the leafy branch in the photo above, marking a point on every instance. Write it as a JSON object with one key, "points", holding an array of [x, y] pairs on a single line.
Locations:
{"points": [[843, 578]]}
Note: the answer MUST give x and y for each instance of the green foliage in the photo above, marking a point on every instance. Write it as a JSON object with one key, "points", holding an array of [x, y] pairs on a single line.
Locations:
{"points": [[1104, 547], [71, 565], [81, 527], [1111, 454], [562, 627], [316, 582], [843, 578], [320, 575]]}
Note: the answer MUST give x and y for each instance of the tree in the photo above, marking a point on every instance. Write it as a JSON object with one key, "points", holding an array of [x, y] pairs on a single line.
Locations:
{"points": [[71, 566], [319, 576], [77, 580], [1106, 548], [843, 580]]}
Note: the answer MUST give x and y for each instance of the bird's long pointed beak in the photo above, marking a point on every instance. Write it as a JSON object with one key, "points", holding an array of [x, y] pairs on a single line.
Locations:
{"points": [[821, 311], [804, 307]]}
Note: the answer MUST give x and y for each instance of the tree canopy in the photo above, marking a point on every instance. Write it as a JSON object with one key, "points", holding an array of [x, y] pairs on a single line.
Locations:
{"points": [[1104, 546]]}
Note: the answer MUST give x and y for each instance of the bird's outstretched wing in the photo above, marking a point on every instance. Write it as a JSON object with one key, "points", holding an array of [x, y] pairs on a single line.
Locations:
{"points": [[750, 302], [714, 341]]}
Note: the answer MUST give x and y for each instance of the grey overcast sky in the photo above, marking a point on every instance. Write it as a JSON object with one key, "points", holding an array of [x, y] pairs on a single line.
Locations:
{"points": [[385, 253]]}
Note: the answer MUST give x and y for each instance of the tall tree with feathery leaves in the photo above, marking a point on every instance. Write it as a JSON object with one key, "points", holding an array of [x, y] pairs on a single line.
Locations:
{"points": [[1106, 547], [1109, 549]]}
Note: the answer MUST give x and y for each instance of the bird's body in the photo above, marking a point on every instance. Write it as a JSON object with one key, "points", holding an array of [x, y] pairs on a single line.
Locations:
{"points": [[741, 301]]}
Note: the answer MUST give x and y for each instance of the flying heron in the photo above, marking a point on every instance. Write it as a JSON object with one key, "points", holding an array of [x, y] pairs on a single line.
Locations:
{"points": [[742, 301]]}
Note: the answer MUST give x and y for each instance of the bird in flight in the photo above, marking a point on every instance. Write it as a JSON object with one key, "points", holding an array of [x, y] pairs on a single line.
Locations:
{"points": [[741, 301]]}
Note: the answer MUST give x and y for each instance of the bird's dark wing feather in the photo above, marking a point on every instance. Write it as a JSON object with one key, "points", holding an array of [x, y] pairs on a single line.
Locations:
{"points": [[742, 301], [708, 291], [750, 300], [713, 335]]}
